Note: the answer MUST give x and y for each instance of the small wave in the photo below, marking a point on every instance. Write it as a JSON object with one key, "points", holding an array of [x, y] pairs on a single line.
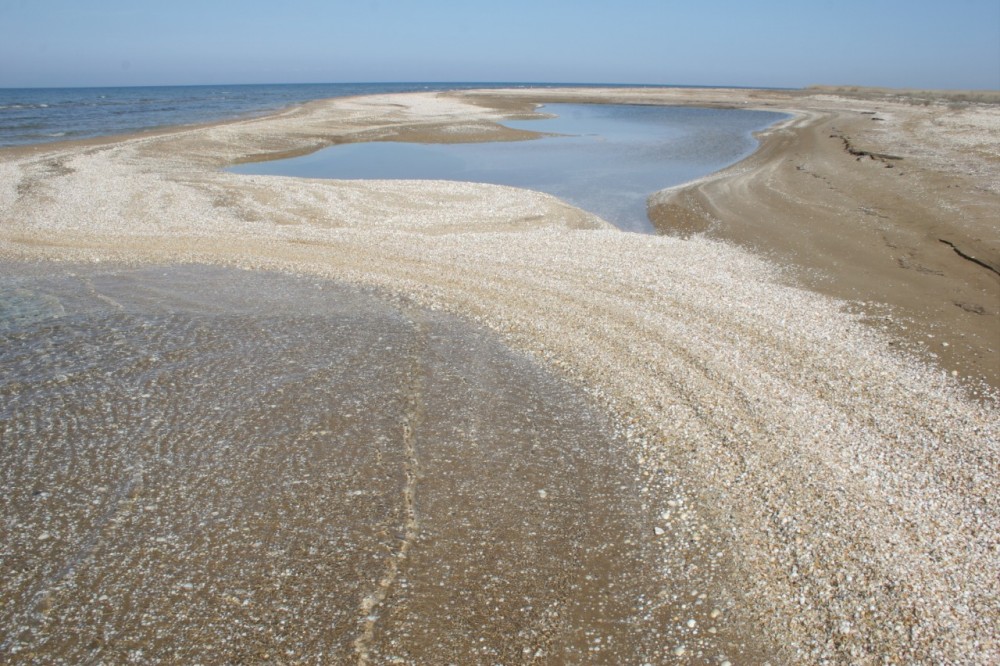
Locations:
{"points": [[19, 106]]}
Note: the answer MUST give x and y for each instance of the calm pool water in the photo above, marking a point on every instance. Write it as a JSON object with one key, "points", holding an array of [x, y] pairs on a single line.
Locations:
{"points": [[606, 159]]}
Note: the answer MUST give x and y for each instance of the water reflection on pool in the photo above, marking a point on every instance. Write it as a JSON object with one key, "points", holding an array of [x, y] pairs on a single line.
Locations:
{"points": [[606, 159]]}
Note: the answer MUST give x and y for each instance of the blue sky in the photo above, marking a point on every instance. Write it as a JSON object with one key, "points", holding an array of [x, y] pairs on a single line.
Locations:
{"points": [[898, 43]]}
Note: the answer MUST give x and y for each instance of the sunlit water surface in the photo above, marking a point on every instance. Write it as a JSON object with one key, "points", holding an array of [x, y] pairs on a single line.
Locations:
{"points": [[203, 465]]}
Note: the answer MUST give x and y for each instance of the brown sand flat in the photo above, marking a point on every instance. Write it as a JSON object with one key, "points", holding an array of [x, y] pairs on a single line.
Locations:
{"points": [[849, 489], [898, 209]]}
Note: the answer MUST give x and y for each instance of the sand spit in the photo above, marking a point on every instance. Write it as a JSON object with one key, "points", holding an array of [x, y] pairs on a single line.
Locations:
{"points": [[851, 490]]}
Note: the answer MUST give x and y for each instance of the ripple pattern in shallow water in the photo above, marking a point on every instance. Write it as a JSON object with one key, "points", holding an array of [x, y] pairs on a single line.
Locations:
{"points": [[201, 465]]}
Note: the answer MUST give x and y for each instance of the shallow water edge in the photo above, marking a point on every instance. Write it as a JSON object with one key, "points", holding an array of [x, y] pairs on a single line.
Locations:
{"points": [[217, 465]]}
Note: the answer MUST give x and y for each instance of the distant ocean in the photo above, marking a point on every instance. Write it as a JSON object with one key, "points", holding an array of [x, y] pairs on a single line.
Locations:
{"points": [[39, 115]]}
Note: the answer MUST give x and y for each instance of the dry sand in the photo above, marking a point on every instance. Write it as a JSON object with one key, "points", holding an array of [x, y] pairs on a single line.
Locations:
{"points": [[851, 489]]}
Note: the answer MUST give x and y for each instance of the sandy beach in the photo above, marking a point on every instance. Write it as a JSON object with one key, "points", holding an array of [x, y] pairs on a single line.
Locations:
{"points": [[803, 367]]}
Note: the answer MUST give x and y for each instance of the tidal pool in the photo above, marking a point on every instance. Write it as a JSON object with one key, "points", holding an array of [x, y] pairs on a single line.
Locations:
{"points": [[604, 158]]}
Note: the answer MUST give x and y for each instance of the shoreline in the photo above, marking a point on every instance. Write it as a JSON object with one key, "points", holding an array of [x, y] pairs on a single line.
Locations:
{"points": [[849, 486], [889, 244], [931, 283], [933, 286]]}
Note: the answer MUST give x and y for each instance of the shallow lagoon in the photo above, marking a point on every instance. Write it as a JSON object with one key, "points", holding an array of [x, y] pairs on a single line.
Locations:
{"points": [[604, 158]]}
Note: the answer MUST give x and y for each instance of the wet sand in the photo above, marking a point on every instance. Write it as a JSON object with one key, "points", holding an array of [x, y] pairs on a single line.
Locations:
{"points": [[849, 489]]}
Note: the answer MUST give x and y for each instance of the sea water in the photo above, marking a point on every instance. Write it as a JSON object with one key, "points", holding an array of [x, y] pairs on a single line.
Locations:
{"points": [[604, 158], [39, 115]]}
